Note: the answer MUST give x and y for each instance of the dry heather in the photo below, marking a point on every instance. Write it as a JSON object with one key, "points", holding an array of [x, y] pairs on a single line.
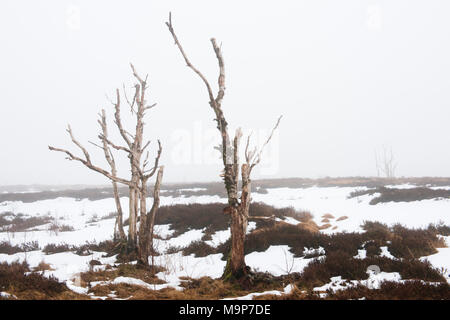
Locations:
{"points": [[17, 280], [145, 274], [203, 288]]}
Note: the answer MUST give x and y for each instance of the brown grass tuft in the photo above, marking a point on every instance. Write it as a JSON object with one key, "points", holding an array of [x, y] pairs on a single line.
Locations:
{"points": [[43, 266], [309, 226], [33, 286], [123, 270]]}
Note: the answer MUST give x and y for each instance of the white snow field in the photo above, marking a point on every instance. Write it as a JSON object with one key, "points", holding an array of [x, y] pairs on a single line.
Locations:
{"points": [[85, 217]]}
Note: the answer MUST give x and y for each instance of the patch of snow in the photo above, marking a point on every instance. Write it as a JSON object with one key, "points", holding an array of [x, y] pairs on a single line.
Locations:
{"points": [[182, 240], [385, 253], [193, 189], [310, 251], [219, 237], [7, 295], [362, 254], [372, 282], [441, 259], [288, 289], [277, 260]]}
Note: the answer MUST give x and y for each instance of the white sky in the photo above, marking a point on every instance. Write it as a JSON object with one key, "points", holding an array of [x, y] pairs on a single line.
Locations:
{"points": [[349, 77]]}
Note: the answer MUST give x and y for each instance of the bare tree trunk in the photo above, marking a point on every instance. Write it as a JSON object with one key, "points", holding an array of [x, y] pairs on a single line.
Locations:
{"points": [[147, 223], [238, 208], [137, 184], [133, 198], [119, 233], [143, 247], [152, 214]]}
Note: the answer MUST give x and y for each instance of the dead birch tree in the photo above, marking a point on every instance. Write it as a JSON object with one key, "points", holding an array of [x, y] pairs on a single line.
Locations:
{"points": [[238, 205], [138, 243]]}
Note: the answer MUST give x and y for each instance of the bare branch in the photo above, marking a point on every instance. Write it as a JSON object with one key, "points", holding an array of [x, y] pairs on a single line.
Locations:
{"points": [[135, 74], [214, 102], [158, 156], [186, 59], [86, 153], [221, 80], [118, 121], [131, 104], [92, 167], [258, 156]]}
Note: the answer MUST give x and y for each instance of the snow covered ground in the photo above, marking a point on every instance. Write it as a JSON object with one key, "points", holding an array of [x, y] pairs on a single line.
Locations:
{"points": [[89, 223]]}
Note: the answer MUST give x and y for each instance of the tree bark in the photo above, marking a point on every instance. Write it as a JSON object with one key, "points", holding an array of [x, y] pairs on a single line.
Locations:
{"points": [[119, 233], [147, 223]]}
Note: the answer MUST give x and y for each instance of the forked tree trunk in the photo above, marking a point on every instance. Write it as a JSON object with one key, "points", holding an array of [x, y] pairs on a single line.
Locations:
{"points": [[147, 220], [238, 208], [140, 174], [236, 267]]}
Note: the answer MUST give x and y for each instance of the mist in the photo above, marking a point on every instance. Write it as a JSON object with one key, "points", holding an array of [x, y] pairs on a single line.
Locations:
{"points": [[351, 78]]}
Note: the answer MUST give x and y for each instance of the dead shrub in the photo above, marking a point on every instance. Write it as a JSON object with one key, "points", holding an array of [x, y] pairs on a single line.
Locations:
{"points": [[52, 248], [7, 248], [146, 274], [32, 285], [402, 195], [389, 290], [338, 263], [183, 218], [43, 266], [414, 243], [199, 248]]}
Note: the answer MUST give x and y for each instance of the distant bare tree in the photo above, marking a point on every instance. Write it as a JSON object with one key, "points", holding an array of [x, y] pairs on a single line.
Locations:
{"points": [[238, 206], [140, 242], [385, 163]]}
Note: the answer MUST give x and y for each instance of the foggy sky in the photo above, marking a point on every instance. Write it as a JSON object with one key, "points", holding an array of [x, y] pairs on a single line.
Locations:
{"points": [[349, 77]]}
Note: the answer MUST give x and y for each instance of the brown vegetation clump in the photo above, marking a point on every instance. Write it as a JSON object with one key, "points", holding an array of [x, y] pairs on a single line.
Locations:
{"points": [[324, 226], [7, 248], [389, 290], [414, 243], [342, 218], [339, 263], [52, 248], [204, 288], [309, 226], [328, 216], [143, 273], [43, 266], [210, 216], [199, 248], [32, 286], [402, 195]]}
